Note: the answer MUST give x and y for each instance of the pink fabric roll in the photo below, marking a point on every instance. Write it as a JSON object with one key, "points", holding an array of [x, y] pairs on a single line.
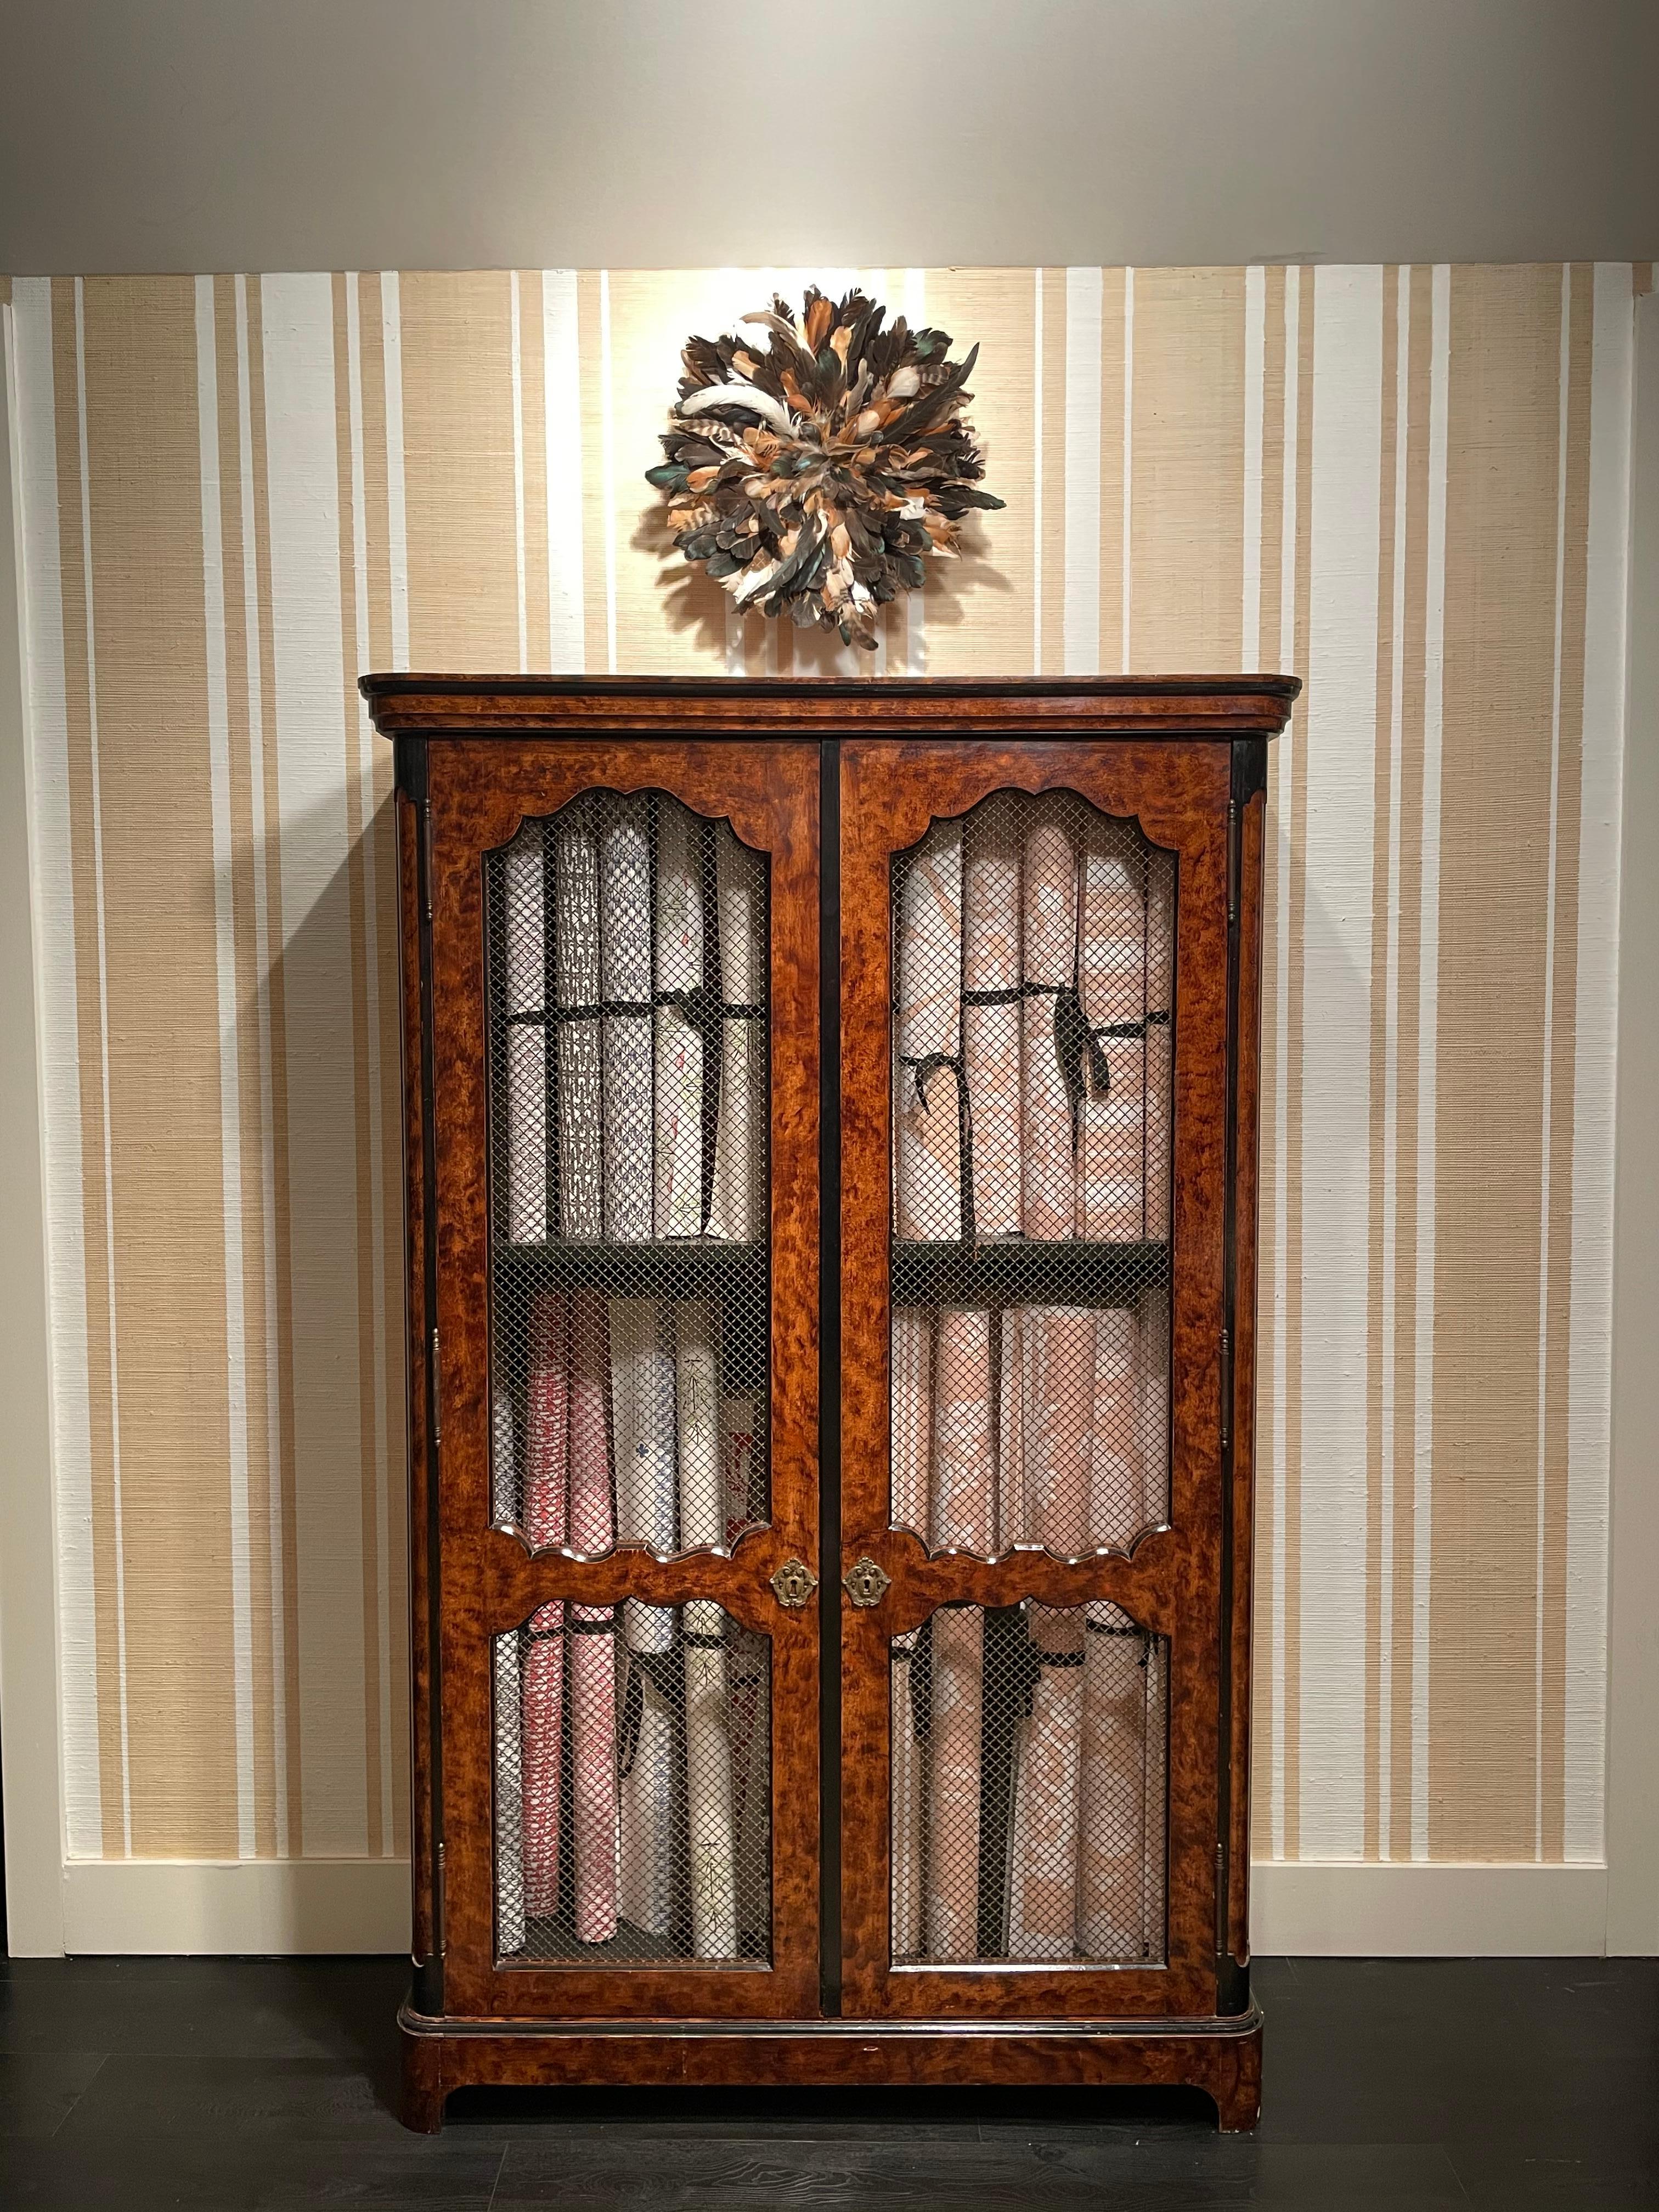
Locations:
{"points": [[964, 1476], [927, 1021], [1118, 1487], [1058, 1418], [952, 1902], [1152, 1377], [1011, 1430], [1112, 985], [1043, 1883], [908, 1804], [1049, 1189], [546, 1513], [591, 1630], [991, 1034], [912, 1416], [1111, 1890], [1160, 1039]]}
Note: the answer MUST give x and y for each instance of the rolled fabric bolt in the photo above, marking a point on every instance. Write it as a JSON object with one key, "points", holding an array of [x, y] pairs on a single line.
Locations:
{"points": [[591, 1630], [649, 1876], [642, 1355], [908, 1799], [1112, 988], [991, 1032], [952, 1904], [1048, 1169], [642, 1431], [739, 1141], [1155, 1793], [1111, 1881], [546, 1521], [679, 954], [710, 1820], [1057, 1417], [697, 1395], [964, 1484], [625, 972], [912, 1416], [740, 1464], [577, 917], [524, 1000], [1043, 1884], [1117, 1478], [509, 1801], [748, 1673], [1153, 1353], [1012, 1527], [927, 1022], [1160, 1040]]}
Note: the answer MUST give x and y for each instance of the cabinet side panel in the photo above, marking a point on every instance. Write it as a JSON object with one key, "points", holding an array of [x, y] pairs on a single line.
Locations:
{"points": [[1245, 1078], [420, 1684]]}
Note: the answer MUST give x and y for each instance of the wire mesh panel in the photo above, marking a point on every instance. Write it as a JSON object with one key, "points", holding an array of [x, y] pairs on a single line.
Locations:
{"points": [[1033, 1115], [1029, 1783], [628, 1112], [633, 1787]]}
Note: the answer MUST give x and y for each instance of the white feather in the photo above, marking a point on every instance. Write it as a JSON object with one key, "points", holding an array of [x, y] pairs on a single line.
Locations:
{"points": [[739, 395]]}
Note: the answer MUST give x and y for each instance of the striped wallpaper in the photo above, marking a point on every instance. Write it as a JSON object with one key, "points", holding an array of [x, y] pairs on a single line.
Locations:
{"points": [[1409, 484]]}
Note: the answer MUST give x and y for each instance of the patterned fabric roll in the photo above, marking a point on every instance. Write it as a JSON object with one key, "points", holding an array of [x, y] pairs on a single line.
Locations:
{"points": [[546, 1520], [696, 1393], [1042, 1900], [710, 1824], [738, 1210], [1058, 1357], [964, 1484], [592, 1629], [509, 1801], [740, 1468], [991, 1033], [1112, 985], [1160, 1040], [647, 1763], [678, 1044], [577, 863], [523, 994], [1048, 1194], [907, 1801], [952, 1902], [928, 1022], [912, 1416], [1111, 1887], [625, 972], [1153, 1379], [1117, 1487]]}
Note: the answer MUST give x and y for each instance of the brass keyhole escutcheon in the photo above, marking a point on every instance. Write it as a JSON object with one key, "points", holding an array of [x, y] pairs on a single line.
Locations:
{"points": [[865, 1583], [794, 1583]]}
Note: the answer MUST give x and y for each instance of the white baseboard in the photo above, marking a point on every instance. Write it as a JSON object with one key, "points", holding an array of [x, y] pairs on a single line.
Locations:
{"points": [[1347, 1909], [255, 1907], [1359, 1909]]}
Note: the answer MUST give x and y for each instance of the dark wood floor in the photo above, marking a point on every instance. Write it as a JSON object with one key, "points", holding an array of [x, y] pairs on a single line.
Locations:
{"points": [[222, 2084]]}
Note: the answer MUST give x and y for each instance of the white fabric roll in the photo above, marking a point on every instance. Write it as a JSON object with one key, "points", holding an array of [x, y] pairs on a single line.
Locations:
{"points": [[737, 1210], [1118, 1487], [696, 1392], [643, 1423], [679, 1045], [927, 1134], [951, 1904], [1011, 1430], [1111, 1882], [907, 1801], [963, 1486], [1048, 1169], [991, 1034], [1112, 986], [625, 972], [708, 1785], [747, 1667], [1160, 1039], [912, 1416], [647, 1872], [523, 988], [1153, 1353], [509, 1801], [1042, 1888], [577, 918]]}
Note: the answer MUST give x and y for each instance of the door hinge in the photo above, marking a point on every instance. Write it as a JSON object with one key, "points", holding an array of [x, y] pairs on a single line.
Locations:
{"points": [[437, 1396], [1226, 1389]]}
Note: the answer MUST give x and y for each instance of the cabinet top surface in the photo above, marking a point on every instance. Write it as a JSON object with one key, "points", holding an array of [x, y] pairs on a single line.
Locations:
{"points": [[415, 705]]}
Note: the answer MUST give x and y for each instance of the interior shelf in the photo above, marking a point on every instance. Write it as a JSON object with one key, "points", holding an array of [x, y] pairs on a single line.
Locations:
{"points": [[1021, 1272]]}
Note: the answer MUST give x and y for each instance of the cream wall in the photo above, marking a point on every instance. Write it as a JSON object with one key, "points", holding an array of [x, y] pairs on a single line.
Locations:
{"points": [[1409, 484]]}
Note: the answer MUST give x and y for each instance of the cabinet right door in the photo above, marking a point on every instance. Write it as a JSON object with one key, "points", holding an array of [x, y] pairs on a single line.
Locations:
{"points": [[1034, 1057]]}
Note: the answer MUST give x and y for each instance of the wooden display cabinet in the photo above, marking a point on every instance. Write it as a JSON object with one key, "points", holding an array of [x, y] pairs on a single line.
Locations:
{"points": [[830, 1128]]}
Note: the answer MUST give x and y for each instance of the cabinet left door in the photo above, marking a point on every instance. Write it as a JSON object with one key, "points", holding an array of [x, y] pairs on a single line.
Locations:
{"points": [[623, 1018]]}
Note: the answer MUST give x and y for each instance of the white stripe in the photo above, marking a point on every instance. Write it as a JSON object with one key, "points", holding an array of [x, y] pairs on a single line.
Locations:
{"points": [[1391, 1074], [57, 1001], [1037, 473], [1255, 339], [103, 1062], [392, 342], [1082, 577], [1547, 1063], [1427, 1059], [256, 710], [916, 611], [563, 431], [230, 1107], [518, 476], [609, 471], [1339, 842], [1595, 1033], [1128, 450]]}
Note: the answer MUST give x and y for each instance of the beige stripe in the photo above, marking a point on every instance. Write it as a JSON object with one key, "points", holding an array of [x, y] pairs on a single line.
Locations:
{"points": [[1187, 470], [533, 384], [256, 1323], [1381, 797], [290, 1829], [1563, 1052], [1499, 626], [1111, 470], [1053, 471], [83, 801], [595, 640], [164, 1070]]}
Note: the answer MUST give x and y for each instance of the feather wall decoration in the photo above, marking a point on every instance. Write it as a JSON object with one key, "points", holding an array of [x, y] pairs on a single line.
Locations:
{"points": [[813, 474]]}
